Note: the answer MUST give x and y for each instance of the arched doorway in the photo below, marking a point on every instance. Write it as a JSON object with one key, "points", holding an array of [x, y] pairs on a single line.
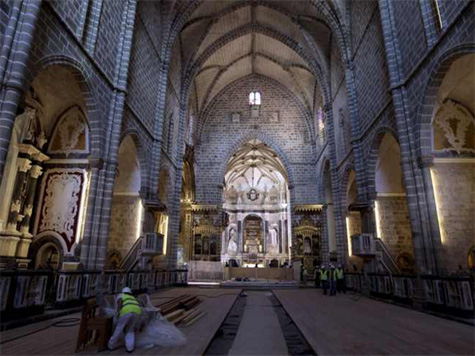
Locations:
{"points": [[126, 215]]}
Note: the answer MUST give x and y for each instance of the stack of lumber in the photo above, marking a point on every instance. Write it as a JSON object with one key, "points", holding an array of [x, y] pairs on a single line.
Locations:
{"points": [[182, 310]]}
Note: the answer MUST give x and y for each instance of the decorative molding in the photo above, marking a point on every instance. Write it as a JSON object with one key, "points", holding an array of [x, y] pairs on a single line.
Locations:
{"points": [[68, 133], [204, 207], [33, 152], [465, 160], [308, 208], [450, 113], [68, 161], [62, 203], [387, 195]]}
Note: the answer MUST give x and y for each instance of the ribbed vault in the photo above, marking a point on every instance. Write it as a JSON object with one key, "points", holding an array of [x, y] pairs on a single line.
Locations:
{"points": [[255, 165], [223, 41]]}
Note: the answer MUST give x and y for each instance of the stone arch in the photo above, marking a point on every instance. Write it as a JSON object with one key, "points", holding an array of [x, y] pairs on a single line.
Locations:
{"points": [[248, 136], [126, 207], [81, 142], [324, 168], [85, 84], [391, 209], [372, 160], [425, 108], [451, 182], [141, 154], [345, 181], [329, 198], [41, 243]]}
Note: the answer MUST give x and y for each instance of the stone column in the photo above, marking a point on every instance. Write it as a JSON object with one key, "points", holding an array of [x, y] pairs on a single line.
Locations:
{"points": [[13, 58], [30, 199], [325, 245], [94, 247], [417, 198], [240, 236], [265, 232], [281, 236], [25, 227], [9, 239], [24, 165]]}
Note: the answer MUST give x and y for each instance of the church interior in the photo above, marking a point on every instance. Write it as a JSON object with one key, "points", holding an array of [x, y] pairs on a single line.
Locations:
{"points": [[232, 150]]}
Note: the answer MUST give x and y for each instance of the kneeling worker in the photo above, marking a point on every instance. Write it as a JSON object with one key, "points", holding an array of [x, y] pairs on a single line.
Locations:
{"points": [[129, 317]]}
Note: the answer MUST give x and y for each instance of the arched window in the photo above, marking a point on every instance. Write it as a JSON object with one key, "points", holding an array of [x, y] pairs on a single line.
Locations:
{"points": [[321, 124], [255, 98]]}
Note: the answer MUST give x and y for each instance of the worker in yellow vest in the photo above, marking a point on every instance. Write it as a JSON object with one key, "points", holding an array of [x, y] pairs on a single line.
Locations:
{"points": [[324, 279], [340, 279], [129, 318], [332, 278]]}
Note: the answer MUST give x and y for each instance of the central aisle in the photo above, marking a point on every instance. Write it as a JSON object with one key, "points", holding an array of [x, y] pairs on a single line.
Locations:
{"points": [[259, 332]]}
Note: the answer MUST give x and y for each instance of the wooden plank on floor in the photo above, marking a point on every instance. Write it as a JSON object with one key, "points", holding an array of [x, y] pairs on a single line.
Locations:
{"points": [[348, 325], [62, 341]]}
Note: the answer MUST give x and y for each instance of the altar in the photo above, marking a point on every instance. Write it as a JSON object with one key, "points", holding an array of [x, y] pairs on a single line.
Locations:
{"points": [[256, 195]]}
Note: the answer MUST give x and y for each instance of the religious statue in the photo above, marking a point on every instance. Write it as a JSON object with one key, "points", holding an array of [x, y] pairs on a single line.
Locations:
{"points": [[273, 237], [232, 245], [274, 195], [307, 247], [232, 195]]}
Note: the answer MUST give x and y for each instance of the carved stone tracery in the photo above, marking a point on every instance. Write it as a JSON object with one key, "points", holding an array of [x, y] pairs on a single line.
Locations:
{"points": [[454, 120]]}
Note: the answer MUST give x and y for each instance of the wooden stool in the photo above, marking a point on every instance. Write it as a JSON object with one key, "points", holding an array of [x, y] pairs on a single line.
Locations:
{"points": [[94, 330]]}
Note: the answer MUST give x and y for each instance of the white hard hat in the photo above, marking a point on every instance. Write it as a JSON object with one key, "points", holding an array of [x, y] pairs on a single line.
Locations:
{"points": [[127, 290]]}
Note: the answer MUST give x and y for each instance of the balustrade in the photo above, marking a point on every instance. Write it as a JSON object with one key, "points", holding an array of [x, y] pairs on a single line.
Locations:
{"points": [[27, 291], [445, 294]]}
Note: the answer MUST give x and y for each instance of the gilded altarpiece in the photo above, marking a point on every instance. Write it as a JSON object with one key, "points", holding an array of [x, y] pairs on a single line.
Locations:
{"points": [[307, 231]]}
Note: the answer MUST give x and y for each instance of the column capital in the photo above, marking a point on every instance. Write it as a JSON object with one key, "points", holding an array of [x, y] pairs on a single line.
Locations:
{"points": [[36, 171], [24, 164]]}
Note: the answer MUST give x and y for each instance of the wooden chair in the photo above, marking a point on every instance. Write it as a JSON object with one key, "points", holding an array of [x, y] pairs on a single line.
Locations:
{"points": [[93, 329]]}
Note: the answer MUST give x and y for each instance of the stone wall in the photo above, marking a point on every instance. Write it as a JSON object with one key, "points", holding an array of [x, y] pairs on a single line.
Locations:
{"points": [[123, 224], [454, 188], [5, 7], [220, 137], [394, 224], [354, 227]]}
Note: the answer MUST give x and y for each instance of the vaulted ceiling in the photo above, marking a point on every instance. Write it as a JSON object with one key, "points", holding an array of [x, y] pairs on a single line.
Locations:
{"points": [[255, 165], [224, 41]]}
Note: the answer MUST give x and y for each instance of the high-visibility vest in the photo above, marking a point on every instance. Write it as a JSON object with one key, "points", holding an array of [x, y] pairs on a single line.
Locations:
{"points": [[129, 305], [333, 275], [339, 273], [324, 275]]}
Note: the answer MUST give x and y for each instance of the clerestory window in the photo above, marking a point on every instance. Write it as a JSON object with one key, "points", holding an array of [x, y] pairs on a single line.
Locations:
{"points": [[254, 98]]}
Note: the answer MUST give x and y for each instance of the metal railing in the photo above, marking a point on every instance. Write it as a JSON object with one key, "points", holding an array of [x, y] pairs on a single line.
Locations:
{"points": [[452, 294], [26, 292]]}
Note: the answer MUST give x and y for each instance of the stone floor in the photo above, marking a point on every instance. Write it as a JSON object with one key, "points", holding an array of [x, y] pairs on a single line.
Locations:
{"points": [[341, 325]]}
